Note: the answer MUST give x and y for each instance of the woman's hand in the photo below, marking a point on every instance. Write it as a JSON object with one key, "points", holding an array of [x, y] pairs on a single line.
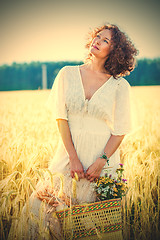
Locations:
{"points": [[76, 166], [94, 171]]}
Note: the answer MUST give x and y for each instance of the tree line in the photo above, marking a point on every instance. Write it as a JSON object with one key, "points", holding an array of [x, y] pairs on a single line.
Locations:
{"points": [[28, 76]]}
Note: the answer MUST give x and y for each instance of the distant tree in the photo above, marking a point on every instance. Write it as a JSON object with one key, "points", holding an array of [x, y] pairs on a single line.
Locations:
{"points": [[147, 72]]}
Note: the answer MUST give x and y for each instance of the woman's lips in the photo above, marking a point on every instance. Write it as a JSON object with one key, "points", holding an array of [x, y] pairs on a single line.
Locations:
{"points": [[95, 47]]}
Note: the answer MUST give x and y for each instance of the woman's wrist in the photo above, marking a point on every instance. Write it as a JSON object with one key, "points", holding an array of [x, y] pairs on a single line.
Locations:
{"points": [[104, 156], [101, 161], [73, 156]]}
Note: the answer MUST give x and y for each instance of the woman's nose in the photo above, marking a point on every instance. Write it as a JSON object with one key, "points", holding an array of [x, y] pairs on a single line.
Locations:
{"points": [[98, 41]]}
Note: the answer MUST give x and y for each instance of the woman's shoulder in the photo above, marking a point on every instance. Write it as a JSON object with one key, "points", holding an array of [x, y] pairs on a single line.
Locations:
{"points": [[69, 68], [123, 83], [68, 72]]}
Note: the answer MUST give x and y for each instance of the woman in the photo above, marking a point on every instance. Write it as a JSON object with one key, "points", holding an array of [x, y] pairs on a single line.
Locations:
{"points": [[91, 105]]}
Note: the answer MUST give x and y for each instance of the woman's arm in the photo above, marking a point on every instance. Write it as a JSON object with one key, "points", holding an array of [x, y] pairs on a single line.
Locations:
{"points": [[75, 164], [95, 169]]}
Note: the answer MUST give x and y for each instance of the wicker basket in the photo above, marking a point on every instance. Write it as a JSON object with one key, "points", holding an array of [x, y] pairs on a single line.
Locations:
{"points": [[99, 220]]}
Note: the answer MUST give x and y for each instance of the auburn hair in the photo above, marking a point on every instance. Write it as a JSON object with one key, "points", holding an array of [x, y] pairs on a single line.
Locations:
{"points": [[121, 59]]}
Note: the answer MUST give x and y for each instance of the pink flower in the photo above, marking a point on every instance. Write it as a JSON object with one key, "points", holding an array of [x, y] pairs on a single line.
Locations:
{"points": [[124, 180]]}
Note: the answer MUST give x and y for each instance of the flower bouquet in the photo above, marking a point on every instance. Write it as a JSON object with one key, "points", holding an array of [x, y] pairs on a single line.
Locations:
{"points": [[111, 188]]}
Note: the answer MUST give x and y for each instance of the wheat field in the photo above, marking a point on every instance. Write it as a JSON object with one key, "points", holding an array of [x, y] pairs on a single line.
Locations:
{"points": [[28, 142]]}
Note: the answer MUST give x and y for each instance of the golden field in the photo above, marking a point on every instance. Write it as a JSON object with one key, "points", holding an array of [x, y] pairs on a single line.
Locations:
{"points": [[28, 142]]}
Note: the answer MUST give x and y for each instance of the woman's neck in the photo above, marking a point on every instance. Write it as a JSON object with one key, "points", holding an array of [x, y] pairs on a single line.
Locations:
{"points": [[97, 66]]}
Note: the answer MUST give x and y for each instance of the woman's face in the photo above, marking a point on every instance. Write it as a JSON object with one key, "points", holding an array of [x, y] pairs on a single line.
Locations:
{"points": [[101, 44]]}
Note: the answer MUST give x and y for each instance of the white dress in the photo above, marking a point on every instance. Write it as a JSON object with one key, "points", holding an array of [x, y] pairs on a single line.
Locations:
{"points": [[91, 124]]}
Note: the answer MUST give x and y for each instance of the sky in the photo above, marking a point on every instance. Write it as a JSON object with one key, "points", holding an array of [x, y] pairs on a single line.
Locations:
{"points": [[56, 30]]}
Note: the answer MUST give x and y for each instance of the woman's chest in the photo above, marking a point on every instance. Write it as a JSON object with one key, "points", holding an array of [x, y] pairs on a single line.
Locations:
{"points": [[91, 83], [99, 97]]}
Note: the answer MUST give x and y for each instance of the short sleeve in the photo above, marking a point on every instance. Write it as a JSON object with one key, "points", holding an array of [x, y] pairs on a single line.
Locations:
{"points": [[56, 101], [122, 111]]}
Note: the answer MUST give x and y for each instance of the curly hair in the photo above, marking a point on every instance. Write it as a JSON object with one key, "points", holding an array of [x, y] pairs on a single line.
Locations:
{"points": [[121, 59]]}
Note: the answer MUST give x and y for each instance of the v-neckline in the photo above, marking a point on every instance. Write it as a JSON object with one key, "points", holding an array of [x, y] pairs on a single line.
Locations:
{"points": [[82, 86]]}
